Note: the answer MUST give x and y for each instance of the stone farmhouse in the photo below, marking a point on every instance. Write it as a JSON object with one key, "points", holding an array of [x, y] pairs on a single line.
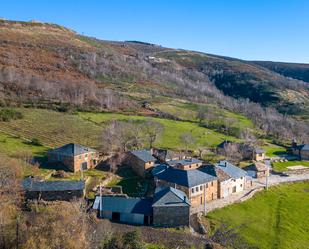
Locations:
{"points": [[171, 208], [185, 164], [259, 154], [75, 157], [301, 151], [53, 190], [247, 151], [258, 170], [237, 179], [141, 161], [199, 186]]}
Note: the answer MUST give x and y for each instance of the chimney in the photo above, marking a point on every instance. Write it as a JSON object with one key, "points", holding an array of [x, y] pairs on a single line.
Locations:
{"points": [[184, 198], [225, 163]]}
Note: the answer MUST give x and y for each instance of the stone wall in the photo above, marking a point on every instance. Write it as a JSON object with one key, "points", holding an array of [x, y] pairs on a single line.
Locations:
{"points": [[54, 195], [171, 216]]}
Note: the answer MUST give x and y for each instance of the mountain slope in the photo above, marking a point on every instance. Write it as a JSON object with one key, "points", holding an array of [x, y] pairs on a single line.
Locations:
{"points": [[50, 66]]}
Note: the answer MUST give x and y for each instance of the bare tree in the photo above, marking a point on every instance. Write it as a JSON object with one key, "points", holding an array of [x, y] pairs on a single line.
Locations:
{"points": [[152, 131], [187, 139]]}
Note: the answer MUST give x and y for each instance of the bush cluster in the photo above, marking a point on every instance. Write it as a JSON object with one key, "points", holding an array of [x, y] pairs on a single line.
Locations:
{"points": [[7, 115]]}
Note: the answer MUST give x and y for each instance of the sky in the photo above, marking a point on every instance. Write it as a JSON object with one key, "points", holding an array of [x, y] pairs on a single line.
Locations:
{"points": [[276, 30]]}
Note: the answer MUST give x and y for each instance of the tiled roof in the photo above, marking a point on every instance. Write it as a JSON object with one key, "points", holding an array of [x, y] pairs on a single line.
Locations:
{"points": [[30, 184], [72, 150], [231, 170], [184, 162], [144, 155], [125, 205], [187, 178], [168, 196]]}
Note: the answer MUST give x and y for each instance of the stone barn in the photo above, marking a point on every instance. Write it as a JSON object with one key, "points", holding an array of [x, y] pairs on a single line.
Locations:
{"points": [[141, 161], [171, 208], [75, 157], [53, 190]]}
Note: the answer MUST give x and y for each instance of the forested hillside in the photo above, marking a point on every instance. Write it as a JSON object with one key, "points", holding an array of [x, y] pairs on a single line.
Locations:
{"points": [[49, 66]]}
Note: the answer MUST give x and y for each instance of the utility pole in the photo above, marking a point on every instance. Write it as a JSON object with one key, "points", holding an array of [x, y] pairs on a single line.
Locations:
{"points": [[101, 203], [204, 199], [267, 173]]}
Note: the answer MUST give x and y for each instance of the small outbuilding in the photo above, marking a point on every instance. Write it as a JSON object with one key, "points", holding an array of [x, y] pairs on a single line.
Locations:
{"points": [[258, 170], [124, 209], [53, 190], [171, 208], [259, 154]]}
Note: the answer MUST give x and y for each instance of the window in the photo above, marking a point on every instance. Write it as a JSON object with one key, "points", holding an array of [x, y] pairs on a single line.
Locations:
{"points": [[201, 188], [192, 190], [212, 183], [241, 185], [241, 178], [86, 155], [206, 185], [201, 200], [190, 166], [196, 189]]}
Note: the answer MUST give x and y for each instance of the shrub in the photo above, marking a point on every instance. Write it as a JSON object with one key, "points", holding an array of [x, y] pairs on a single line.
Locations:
{"points": [[36, 141], [7, 115]]}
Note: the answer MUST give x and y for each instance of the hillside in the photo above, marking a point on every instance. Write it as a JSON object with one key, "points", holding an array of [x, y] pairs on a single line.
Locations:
{"points": [[49, 66]]}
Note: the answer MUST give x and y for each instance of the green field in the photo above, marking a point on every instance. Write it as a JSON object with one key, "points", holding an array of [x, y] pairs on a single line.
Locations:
{"points": [[172, 130], [273, 150], [277, 218], [54, 129], [282, 166], [188, 111]]}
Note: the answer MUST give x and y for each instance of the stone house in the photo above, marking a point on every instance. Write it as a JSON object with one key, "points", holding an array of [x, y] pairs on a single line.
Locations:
{"points": [[258, 170], [233, 179], [124, 209], [75, 157], [53, 190], [259, 154], [185, 164], [199, 186], [242, 150], [141, 161], [301, 151], [166, 155], [171, 208]]}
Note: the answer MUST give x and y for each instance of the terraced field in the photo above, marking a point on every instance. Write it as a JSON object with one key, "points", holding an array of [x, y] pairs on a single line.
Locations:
{"points": [[52, 128]]}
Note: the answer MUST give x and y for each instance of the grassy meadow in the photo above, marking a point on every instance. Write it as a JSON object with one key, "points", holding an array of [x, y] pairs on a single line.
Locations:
{"points": [[282, 166], [277, 218]]}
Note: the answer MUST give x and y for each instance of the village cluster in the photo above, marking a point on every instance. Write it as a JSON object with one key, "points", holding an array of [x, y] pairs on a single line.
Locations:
{"points": [[182, 185]]}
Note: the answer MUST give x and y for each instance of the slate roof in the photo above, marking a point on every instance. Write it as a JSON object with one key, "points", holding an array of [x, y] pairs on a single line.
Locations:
{"points": [[224, 143], [217, 172], [30, 184], [303, 147], [72, 150], [144, 155], [259, 150], [168, 196], [231, 170], [183, 162], [187, 178], [158, 169], [258, 166], [124, 205]]}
